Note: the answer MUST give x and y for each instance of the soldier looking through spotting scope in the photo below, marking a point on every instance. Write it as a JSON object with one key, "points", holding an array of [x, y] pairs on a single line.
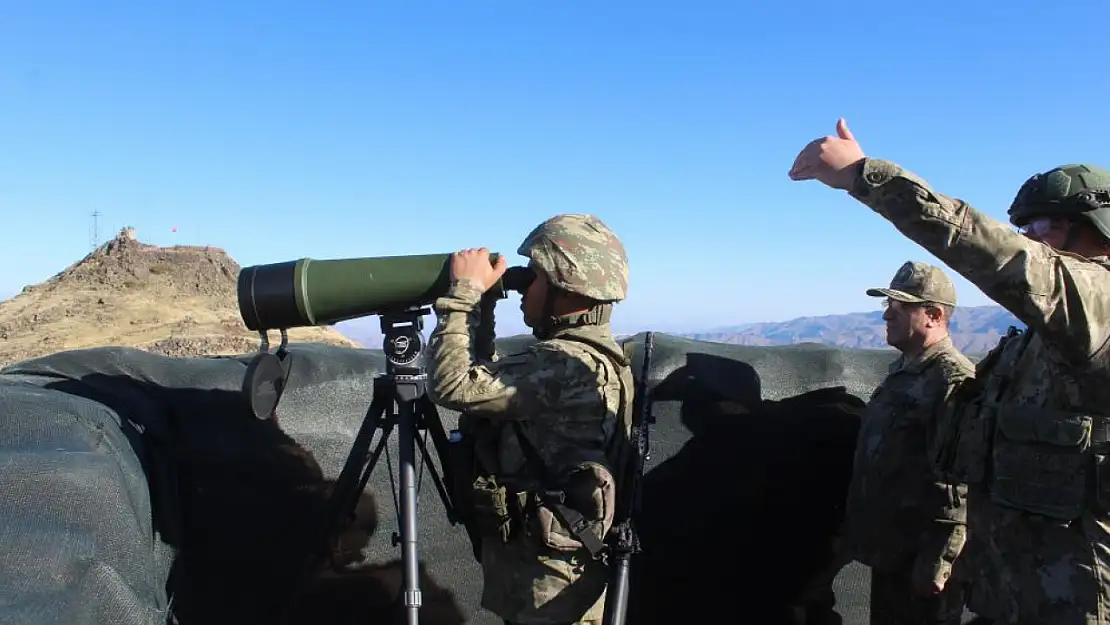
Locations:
{"points": [[1033, 437], [540, 427]]}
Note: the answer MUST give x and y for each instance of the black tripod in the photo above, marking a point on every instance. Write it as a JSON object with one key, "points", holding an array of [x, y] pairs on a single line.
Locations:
{"points": [[404, 383]]}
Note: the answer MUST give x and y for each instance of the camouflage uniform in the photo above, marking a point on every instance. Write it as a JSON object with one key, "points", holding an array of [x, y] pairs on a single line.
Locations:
{"points": [[899, 516], [1029, 436], [569, 394]]}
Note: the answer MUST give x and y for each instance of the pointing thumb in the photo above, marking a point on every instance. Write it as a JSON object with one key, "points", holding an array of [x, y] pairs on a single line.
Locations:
{"points": [[842, 130]]}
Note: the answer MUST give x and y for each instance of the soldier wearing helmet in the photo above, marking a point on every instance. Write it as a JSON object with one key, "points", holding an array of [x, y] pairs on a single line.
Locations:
{"points": [[542, 425], [1067, 208], [1029, 433]]}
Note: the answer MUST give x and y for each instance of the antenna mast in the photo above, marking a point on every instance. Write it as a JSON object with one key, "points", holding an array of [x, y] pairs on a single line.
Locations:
{"points": [[94, 234]]}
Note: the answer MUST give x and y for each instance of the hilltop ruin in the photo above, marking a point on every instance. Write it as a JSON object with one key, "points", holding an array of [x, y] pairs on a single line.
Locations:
{"points": [[177, 301]]}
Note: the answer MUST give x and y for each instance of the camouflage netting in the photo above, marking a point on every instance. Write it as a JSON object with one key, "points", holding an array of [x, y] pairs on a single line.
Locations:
{"points": [[112, 455]]}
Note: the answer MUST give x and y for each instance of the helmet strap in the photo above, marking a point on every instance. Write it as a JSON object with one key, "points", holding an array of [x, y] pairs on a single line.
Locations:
{"points": [[1072, 237], [547, 323]]}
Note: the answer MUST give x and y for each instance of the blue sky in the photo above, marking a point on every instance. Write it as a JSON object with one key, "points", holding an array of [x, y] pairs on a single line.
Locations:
{"points": [[277, 130]]}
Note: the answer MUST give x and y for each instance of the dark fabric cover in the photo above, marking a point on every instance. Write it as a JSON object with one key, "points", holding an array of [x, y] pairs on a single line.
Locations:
{"points": [[131, 479]]}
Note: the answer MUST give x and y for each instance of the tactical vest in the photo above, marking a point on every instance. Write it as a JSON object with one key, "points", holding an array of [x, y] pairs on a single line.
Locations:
{"points": [[1048, 459], [567, 512]]}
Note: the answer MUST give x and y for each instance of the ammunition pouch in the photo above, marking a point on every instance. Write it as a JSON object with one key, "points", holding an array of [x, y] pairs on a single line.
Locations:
{"points": [[1041, 460], [962, 451], [580, 514], [461, 465], [492, 508]]}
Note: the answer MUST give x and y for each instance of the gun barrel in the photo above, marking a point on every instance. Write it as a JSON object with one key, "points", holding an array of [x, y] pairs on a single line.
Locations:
{"points": [[616, 598]]}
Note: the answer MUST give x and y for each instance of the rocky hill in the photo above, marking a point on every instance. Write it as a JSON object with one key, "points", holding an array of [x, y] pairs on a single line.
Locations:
{"points": [[975, 330], [178, 301]]}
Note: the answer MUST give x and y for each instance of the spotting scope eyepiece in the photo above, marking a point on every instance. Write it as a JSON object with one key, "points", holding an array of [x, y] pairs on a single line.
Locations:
{"points": [[518, 279], [310, 292]]}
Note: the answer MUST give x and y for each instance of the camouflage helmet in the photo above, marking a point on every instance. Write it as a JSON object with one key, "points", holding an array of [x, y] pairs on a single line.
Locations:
{"points": [[1069, 190], [579, 254]]}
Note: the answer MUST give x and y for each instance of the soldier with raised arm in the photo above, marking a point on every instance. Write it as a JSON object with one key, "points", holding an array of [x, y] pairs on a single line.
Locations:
{"points": [[1032, 431], [542, 423]]}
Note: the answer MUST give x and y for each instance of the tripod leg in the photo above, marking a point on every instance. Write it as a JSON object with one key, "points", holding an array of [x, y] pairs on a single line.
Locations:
{"points": [[406, 422], [437, 480], [428, 416], [360, 462], [343, 500]]}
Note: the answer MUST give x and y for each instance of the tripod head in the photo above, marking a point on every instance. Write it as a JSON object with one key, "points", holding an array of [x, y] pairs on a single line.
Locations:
{"points": [[402, 343]]}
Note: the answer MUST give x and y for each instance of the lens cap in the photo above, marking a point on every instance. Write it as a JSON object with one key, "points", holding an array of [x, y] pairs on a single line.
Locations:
{"points": [[264, 383]]}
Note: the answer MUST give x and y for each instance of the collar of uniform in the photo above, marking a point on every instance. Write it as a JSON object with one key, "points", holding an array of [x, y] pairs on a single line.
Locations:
{"points": [[918, 362]]}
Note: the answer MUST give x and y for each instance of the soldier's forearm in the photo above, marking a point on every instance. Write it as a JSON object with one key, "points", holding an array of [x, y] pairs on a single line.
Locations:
{"points": [[485, 333], [941, 545], [1063, 297], [450, 344]]}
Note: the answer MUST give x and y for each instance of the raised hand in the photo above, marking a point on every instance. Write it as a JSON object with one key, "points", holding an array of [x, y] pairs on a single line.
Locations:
{"points": [[831, 160]]}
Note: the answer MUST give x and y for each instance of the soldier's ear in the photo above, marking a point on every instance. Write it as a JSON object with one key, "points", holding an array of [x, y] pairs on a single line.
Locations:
{"points": [[934, 313]]}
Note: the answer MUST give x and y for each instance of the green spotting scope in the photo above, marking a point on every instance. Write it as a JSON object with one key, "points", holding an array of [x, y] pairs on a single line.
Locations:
{"points": [[309, 292]]}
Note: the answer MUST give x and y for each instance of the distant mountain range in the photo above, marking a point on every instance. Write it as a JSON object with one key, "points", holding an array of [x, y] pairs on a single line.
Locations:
{"points": [[975, 330]]}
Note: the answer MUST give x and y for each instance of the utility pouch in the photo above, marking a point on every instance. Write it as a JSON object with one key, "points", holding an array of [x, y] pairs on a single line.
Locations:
{"points": [[961, 451], [1041, 460], [970, 448], [490, 508], [581, 513]]}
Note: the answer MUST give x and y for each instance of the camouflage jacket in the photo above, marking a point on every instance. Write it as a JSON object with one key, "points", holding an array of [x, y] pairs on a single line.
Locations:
{"points": [[1026, 432], [898, 511], [566, 393]]}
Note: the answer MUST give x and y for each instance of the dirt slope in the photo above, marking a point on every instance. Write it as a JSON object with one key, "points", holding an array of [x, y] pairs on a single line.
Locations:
{"points": [[178, 301]]}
